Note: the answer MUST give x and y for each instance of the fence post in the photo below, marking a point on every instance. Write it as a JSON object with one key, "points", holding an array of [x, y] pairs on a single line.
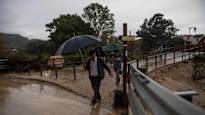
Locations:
{"points": [[165, 58], [56, 71], [155, 62], [125, 59], [137, 63], [41, 69], [29, 69], [74, 71], [174, 56], [189, 54], [185, 51], [146, 63]]}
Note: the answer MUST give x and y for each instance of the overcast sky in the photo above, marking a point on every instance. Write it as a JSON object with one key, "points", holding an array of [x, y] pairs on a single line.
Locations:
{"points": [[28, 17]]}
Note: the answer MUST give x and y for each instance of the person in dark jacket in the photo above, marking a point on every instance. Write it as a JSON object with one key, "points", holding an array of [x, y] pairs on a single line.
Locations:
{"points": [[95, 66]]}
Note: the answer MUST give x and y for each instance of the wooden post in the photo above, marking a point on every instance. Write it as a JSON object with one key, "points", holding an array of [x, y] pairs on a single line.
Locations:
{"points": [[189, 54], [137, 63], [41, 69], [182, 55], [56, 71], [155, 62], [29, 69], [174, 56], [146, 63], [165, 58], [125, 54], [124, 68], [74, 71]]}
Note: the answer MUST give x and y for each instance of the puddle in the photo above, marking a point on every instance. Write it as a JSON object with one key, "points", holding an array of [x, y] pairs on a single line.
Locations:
{"points": [[18, 97]]}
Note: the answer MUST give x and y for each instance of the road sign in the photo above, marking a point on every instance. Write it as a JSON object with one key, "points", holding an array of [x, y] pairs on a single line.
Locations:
{"points": [[128, 38]]}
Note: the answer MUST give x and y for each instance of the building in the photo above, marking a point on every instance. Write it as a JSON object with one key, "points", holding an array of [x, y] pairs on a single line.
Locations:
{"points": [[193, 39]]}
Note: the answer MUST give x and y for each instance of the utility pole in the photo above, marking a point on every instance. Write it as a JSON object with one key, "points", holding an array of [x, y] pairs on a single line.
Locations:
{"points": [[125, 54]]}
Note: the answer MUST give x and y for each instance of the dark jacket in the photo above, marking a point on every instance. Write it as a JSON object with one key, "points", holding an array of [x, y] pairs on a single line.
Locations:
{"points": [[100, 65]]}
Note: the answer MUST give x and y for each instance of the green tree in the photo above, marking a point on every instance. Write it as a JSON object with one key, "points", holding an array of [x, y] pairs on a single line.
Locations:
{"points": [[66, 26], [100, 19], [156, 31]]}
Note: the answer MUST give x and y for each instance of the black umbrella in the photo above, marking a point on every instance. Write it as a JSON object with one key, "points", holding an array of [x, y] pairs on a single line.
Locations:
{"points": [[76, 43]]}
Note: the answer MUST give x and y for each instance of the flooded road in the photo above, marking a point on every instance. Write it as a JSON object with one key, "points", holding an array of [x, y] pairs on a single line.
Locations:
{"points": [[19, 97]]}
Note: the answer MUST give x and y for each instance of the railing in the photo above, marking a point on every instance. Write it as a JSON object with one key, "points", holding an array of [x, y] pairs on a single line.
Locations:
{"points": [[147, 97], [144, 54], [150, 63]]}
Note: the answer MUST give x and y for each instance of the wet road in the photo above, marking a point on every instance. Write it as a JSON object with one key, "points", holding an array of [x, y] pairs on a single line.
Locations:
{"points": [[19, 97]]}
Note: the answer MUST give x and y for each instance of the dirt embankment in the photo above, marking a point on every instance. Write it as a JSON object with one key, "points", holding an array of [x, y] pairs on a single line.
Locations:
{"points": [[178, 77]]}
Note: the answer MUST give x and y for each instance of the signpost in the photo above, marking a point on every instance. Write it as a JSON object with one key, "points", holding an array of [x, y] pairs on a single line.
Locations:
{"points": [[125, 39], [128, 38], [125, 54]]}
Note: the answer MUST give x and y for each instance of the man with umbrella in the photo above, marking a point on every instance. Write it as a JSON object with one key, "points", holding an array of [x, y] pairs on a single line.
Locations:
{"points": [[95, 66]]}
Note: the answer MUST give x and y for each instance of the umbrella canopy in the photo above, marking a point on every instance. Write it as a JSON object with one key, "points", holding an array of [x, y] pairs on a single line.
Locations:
{"points": [[77, 42], [112, 47]]}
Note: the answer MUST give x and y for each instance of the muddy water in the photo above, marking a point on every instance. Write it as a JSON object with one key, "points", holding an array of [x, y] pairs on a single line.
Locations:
{"points": [[19, 97]]}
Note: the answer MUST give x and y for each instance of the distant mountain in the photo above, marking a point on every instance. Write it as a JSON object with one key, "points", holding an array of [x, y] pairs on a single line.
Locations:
{"points": [[17, 41]]}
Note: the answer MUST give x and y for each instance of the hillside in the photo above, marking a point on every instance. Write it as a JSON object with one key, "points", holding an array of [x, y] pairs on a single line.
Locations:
{"points": [[11, 41]]}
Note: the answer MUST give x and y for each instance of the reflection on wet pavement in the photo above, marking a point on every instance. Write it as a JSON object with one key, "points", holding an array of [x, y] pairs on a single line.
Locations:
{"points": [[19, 97]]}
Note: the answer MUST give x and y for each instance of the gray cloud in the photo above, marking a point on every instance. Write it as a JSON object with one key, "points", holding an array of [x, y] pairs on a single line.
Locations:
{"points": [[28, 17]]}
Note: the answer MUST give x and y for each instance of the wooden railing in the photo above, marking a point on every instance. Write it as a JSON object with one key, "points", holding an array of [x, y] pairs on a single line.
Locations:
{"points": [[153, 62]]}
